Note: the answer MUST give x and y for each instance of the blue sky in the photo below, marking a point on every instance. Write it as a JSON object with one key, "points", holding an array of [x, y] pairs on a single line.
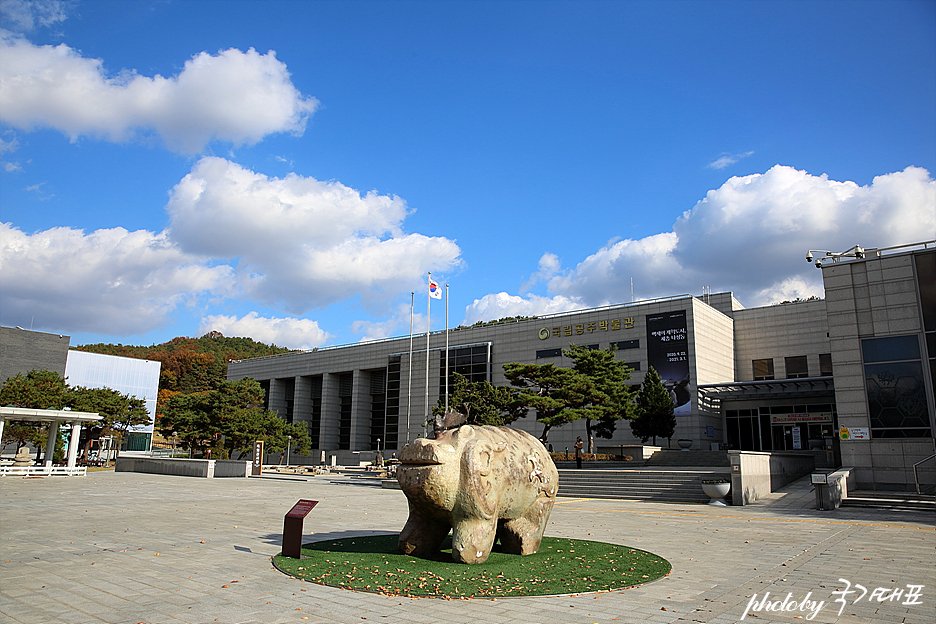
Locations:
{"points": [[292, 170]]}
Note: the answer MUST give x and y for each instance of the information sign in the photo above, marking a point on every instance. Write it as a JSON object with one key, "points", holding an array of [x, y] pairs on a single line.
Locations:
{"points": [[292, 528], [301, 509], [256, 466]]}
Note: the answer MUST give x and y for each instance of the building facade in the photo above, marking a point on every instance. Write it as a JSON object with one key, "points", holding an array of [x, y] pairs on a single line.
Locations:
{"points": [[849, 377], [24, 350], [132, 376]]}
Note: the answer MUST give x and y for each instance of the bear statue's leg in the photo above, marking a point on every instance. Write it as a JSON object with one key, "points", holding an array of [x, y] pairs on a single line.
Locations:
{"points": [[472, 539], [422, 536], [522, 536]]}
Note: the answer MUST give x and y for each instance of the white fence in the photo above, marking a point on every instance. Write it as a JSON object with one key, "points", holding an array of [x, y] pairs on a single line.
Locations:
{"points": [[42, 471]]}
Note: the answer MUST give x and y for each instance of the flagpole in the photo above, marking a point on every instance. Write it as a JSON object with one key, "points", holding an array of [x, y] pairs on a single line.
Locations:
{"points": [[428, 310], [446, 349], [409, 388]]}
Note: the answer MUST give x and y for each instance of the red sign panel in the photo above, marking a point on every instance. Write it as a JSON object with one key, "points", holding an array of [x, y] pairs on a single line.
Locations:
{"points": [[301, 509]]}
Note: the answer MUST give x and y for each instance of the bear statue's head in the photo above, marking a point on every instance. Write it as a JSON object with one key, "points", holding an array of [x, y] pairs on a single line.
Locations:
{"points": [[456, 464]]}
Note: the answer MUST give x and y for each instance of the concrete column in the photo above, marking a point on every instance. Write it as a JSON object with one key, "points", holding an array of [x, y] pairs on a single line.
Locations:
{"points": [[277, 398], [331, 405], [50, 445], [302, 401], [73, 444], [2, 423], [360, 412]]}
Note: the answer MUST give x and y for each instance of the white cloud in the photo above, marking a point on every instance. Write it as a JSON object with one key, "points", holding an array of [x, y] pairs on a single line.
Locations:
{"points": [[502, 305], [549, 265], [302, 243], [26, 15], [8, 165], [605, 276], [293, 241], [750, 236], [752, 233], [234, 96], [726, 160], [110, 281], [293, 333], [397, 324]]}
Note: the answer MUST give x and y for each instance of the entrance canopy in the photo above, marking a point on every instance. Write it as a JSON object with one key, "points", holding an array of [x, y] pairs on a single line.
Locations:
{"points": [[802, 388], [55, 418]]}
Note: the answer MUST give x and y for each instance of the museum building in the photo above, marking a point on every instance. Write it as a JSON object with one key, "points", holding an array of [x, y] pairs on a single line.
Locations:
{"points": [[849, 377]]}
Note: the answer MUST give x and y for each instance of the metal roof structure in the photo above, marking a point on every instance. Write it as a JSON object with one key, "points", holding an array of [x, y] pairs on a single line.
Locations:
{"points": [[803, 387]]}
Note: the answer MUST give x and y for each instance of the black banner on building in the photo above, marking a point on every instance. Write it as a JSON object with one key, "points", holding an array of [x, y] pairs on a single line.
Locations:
{"points": [[668, 353]]}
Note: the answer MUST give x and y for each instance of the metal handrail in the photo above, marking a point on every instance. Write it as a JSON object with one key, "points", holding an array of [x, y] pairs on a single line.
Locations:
{"points": [[916, 479]]}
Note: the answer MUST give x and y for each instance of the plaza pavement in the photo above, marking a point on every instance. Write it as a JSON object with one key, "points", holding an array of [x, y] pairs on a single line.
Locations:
{"points": [[129, 548]]}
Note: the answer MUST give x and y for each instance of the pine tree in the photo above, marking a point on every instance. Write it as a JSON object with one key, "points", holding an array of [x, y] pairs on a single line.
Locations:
{"points": [[655, 417]]}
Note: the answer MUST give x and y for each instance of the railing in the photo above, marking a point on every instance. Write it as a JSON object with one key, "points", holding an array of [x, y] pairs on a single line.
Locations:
{"points": [[43, 471], [916, 477]]}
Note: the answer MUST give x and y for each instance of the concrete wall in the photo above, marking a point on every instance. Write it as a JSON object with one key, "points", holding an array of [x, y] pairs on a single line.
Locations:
{"points": [[712, 351], [871, 299], [778, 332], [206, 468], [754, 475], [22, 350]]}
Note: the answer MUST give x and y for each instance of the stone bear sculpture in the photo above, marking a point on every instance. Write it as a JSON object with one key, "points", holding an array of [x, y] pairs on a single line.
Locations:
{"points": [[484, 483]]}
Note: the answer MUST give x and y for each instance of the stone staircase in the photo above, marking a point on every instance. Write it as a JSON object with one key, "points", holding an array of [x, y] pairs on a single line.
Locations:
{"points": [[669, 475], [673, 458], [673, 485], [903, 501]]}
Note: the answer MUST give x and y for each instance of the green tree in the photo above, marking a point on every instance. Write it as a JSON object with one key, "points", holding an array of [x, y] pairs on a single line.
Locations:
{"points": [[552, 391], [606, 399], [37, 389], [655, 417], [228, 420], [481, 402], [191, 364], [23, 433], [120, 411]]}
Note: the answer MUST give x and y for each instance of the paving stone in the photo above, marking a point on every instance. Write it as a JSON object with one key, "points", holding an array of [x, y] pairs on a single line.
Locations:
{"points": [[213, 532]]}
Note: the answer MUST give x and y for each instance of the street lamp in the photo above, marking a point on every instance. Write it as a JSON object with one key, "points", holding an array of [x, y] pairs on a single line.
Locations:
{"points": [[288, 443]]}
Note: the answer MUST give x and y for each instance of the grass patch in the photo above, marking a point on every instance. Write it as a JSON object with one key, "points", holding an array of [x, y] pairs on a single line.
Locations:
{"points": [[562, 566]]}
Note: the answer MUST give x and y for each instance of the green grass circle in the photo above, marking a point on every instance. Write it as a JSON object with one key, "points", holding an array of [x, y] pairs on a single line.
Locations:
{"points": [[562, 566]]}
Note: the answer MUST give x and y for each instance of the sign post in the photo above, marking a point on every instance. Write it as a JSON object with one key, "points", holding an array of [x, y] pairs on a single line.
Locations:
{"points": [[292, 528], [256, 466]]}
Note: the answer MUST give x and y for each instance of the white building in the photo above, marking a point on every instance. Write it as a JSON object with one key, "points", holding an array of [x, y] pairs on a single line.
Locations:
{"points": [[135, 377]]}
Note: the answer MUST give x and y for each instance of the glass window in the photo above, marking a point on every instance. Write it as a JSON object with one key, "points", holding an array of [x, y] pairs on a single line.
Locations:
{"points": [[825, 364], [471, 362], [896, 390], [890, 349], [763, 369], [796, 367]]}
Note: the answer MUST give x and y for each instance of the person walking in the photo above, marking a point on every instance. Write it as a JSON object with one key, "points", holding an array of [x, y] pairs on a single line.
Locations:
{"points": [[578, 451]]}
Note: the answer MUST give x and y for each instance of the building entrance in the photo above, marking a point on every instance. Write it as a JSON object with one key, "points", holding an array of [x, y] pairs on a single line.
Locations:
{"points": [[780, 427]]}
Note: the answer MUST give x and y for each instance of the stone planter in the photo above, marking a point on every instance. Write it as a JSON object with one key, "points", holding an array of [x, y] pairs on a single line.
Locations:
{"points": [[717, 491], [684, 444]]}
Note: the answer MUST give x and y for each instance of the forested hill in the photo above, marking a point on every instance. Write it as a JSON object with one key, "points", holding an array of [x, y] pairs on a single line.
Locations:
{"points": [[191, 364]]}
